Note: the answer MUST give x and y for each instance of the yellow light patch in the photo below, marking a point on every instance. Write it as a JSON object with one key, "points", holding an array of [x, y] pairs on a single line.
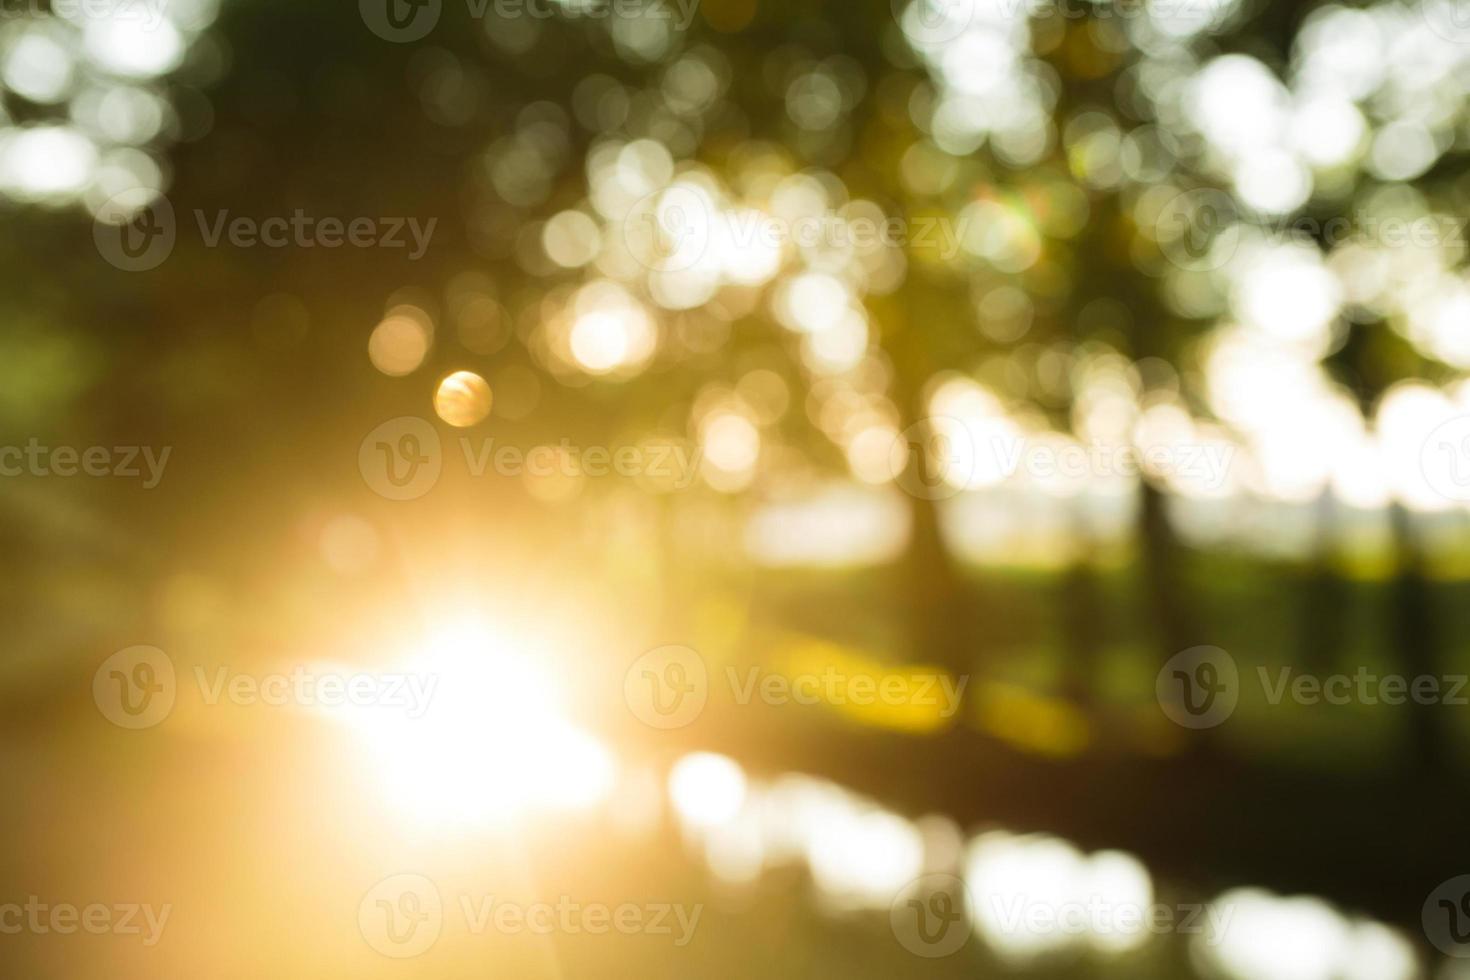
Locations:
{"points": [[915, 698], [1031, 721]]}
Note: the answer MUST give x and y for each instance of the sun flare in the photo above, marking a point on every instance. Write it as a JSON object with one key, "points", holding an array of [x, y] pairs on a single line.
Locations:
{"points": [[493, 743]]}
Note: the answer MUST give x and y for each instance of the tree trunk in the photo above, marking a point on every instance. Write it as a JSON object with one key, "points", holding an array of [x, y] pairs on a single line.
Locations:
{"points": [[1415, 633], [939, 612], [939, 616], [1324, 599], [1163, 577], [1081, 614]]}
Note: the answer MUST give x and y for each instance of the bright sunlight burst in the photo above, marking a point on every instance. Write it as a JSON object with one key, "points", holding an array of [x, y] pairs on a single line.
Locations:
{"points": [[493, 744]]}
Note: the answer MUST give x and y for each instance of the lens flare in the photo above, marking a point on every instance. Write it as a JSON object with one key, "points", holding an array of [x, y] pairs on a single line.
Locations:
{"points": [[493, 744]]}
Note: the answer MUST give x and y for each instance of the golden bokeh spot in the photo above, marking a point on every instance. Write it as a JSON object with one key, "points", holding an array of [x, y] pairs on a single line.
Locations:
{"points": [[400, 343], [463, 399]]}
